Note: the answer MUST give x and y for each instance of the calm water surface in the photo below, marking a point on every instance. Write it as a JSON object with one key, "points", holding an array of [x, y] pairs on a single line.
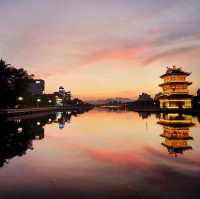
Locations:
{"points": [[100, 154]]}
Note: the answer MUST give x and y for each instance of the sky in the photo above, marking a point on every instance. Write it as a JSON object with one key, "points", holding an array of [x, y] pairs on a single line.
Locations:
{"points": [[100, 49]]}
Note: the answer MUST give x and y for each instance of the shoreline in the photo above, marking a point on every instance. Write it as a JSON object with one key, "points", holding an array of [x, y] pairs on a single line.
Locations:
{"points": [[29, 111], [158, 110]]}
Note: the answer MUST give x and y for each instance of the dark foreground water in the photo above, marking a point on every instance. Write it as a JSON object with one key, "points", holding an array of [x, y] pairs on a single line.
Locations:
{"points": [[100, 154]]}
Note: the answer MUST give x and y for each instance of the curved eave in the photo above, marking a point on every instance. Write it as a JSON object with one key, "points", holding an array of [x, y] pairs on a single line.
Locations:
{"points": [[167, 123], [175, 73], [173, 137], [176, 96], [177, 147], [171, 83]]}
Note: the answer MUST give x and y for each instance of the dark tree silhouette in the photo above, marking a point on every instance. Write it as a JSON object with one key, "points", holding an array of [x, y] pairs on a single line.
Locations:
{"points": [[12, 83]]}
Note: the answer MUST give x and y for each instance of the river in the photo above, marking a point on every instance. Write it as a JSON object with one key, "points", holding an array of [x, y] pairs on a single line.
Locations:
{"points": [[100, 154]]}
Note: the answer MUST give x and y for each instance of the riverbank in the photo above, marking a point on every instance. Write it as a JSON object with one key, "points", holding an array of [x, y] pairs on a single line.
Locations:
{"points": [[158, 110], [25, 111]]}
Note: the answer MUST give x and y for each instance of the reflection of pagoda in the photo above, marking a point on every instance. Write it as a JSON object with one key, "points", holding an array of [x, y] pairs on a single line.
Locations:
{"points": [[175, 89], [176, 129]]}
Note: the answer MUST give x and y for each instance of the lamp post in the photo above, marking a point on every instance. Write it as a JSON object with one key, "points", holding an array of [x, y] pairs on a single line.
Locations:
{"points": [[38, 101], [20, 100]]}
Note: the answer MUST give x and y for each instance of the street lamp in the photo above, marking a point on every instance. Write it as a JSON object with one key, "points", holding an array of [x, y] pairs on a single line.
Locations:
{"points": [[20, 129], [38, 101], [20, 98]]}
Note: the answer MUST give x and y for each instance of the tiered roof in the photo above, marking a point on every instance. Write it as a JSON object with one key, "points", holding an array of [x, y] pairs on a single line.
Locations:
{"points": [[174, 71]]}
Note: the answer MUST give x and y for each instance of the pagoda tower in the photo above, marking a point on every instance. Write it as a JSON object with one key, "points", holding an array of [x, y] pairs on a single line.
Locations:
{"points": [[176, 129], [175, 89]]}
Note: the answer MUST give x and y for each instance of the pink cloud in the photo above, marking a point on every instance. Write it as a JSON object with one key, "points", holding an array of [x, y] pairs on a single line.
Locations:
{"points": [[122, 157], [119, 53]]}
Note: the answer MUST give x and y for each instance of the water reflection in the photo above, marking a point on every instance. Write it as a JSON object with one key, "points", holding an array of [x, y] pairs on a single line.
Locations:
{"points": [[18, 133], [100, 155], [176, 132], [146, 115]]}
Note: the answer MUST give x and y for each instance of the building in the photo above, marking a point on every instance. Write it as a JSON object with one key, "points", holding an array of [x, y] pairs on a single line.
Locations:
{"points": [[175, 89], [61, 90], [68, 96], [145, 97], [62, 97], [176, 129], [36, 86]]}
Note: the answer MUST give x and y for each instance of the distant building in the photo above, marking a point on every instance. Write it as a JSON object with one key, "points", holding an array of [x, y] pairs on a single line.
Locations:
{"points": [[61, 90], [157, 96], [62, 97], [145, 97], [36, 86], [68, 96], [175, 89], [144, 101]]}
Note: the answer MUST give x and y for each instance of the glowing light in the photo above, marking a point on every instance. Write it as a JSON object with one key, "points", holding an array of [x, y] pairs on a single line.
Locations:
{"points": [[20, 98], [20, 129]]}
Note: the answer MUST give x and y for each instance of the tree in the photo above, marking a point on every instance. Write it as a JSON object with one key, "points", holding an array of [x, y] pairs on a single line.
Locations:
{"points": [[12, 83]]}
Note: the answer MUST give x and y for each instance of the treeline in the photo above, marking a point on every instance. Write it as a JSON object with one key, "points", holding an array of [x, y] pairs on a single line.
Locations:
{"points": [[12, 83]]}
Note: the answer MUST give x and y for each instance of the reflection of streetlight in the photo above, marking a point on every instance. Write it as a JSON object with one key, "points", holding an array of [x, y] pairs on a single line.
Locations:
{"points": [[49, 101], [20, 100], [20, 129]]}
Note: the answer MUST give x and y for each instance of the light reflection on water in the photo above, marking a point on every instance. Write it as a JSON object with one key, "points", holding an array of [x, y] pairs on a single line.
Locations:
{"points": [[100, 154]]}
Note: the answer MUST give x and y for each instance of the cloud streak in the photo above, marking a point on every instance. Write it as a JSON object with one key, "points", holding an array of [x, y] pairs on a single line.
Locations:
{"points": [[172, 53]]}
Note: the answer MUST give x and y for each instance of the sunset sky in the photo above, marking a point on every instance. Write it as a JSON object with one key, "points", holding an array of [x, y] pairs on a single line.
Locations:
{"points": [[101, 48]]}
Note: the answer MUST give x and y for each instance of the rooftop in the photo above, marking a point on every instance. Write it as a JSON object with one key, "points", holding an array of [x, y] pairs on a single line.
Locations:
{"points": [[174, 71]]}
